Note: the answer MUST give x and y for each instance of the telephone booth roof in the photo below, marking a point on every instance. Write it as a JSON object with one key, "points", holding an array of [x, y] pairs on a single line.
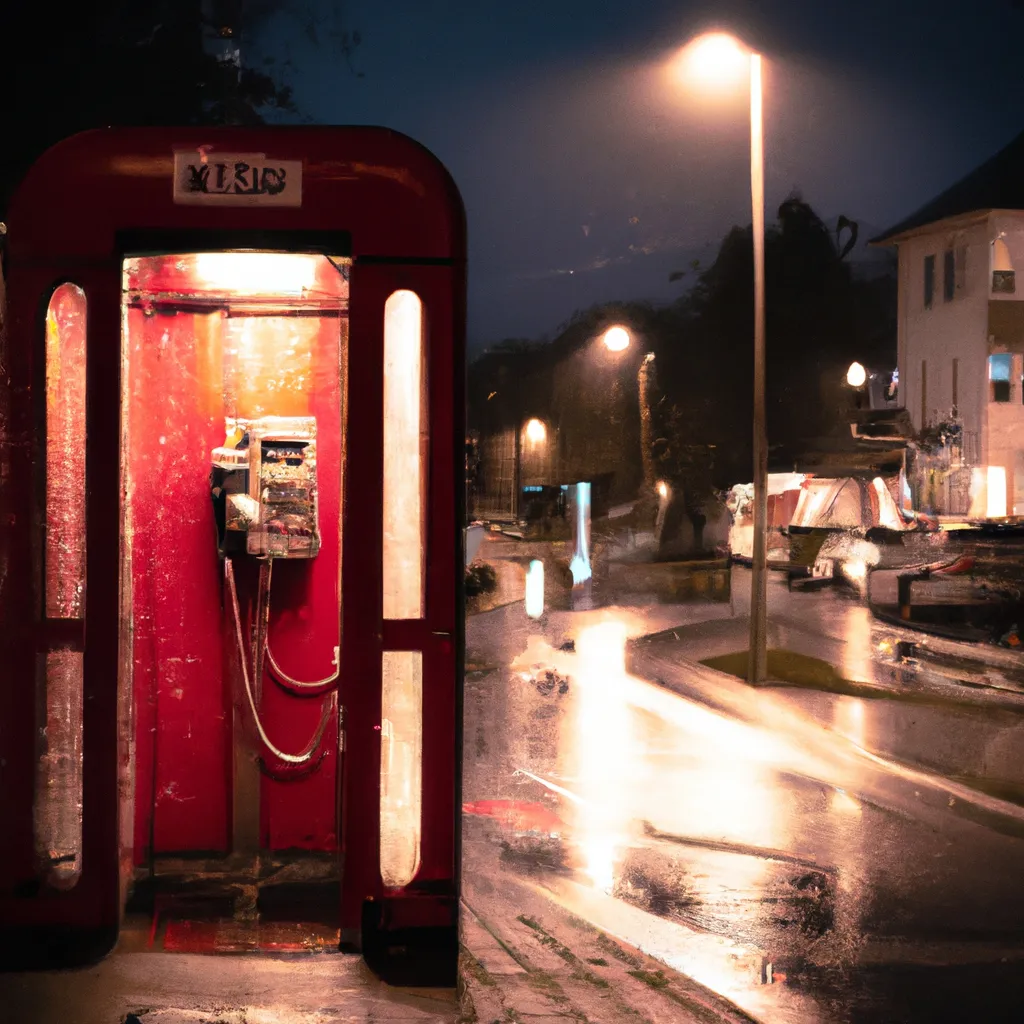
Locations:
{"points": [[374, 190]]}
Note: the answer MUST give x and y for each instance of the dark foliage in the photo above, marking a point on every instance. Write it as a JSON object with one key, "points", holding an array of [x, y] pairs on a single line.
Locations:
{"points": [[480, 579], [821, 315], [145, 62]]}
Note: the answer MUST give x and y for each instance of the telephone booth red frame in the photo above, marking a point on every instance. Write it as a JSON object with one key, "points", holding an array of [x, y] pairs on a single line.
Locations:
{"points": [[387, 205]]}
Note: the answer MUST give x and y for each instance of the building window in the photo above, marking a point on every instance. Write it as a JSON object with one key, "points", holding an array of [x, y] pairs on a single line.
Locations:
{"points": [[1003, 278], [948, 275], [999, 367], [961, 267], [929, 281]]}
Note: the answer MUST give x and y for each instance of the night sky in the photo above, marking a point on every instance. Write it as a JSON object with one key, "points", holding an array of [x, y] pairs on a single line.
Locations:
{"points": [[589, 174]]}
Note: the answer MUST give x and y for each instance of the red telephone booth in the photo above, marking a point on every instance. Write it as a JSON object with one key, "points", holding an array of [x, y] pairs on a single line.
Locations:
{"points": [[230, 526]]}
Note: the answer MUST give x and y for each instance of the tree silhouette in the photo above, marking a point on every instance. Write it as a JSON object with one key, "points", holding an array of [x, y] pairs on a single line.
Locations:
{"points": [[820, 316], [143, 62]]}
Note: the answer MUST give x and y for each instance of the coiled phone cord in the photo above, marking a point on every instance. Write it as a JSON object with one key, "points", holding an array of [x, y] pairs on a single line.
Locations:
{"points": [[282, 677], [329, 704]]}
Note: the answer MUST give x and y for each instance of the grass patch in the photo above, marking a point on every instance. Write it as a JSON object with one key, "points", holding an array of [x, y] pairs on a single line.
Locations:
{"points": [[546, 939], [590, 978], [618, 952], [476, 970], [656, 979], [597, 961], [789, 668], [544, 982]]}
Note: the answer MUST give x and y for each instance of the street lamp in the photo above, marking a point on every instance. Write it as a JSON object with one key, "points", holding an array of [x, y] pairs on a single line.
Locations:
{"points": [[856, 375], [718, 59], [616, 339], [536, 432]]}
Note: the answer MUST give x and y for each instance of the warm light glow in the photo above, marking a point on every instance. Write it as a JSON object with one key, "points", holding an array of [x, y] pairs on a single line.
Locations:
{"points": [[843, 803], [404, 456], [995, 505], [616, 339], [856, 375], [250, 273], [716, 59], [535, 589], [856, 570], [1001, 262], [662, 489], [65, 454], [401, 766], [536, 432]]}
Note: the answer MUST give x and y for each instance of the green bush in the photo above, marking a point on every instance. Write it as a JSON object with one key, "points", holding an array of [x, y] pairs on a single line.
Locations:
{"points": [[480, 579]]}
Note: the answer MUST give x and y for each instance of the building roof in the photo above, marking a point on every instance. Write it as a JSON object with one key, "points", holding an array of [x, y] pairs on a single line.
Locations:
{"points": [[998, 184]]}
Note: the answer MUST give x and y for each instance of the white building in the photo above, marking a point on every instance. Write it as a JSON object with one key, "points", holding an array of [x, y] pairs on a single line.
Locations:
{"points": [[961, 339]]}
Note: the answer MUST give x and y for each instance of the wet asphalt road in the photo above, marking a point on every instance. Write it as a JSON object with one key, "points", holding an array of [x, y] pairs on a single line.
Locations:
{"points": [[875, 912]]}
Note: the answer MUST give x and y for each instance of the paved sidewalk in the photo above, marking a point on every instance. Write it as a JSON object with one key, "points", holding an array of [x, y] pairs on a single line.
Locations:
{"points": [[181, 988], [528, 957]]}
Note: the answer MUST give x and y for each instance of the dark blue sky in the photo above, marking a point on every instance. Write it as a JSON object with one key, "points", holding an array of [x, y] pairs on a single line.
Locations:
{"points": [[588, 175]]}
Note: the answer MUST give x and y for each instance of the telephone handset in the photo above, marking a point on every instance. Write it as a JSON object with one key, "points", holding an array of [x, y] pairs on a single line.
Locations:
{"points": [[264, 488]]}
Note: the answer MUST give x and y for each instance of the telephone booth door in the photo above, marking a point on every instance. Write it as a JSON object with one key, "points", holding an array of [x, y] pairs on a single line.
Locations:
{"points": [[230, 507]]}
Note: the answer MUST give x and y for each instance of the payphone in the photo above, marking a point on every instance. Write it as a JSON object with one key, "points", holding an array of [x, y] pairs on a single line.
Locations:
{"points": [[264, 488]]}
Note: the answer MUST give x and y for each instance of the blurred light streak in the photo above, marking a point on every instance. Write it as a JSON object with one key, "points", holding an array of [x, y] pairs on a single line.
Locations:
{"points": [[580, 564]]}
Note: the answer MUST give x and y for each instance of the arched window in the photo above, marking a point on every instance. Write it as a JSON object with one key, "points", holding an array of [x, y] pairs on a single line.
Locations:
{"points": [[58, 803]]}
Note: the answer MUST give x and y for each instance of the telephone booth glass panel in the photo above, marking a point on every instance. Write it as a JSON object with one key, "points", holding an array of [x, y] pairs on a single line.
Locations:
{"points": [[404, 513], [58, 803]]}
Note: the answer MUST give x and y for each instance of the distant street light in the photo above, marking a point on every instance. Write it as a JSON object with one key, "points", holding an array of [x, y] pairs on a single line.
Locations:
{"points": [[616, 339], [856, 375], [536, 432], [716, 60]]}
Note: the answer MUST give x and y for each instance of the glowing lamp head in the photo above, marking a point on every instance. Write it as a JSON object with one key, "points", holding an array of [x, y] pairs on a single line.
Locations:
{"points": [[662, 489], [616, 339], [856, 570], [536, 432], [856, 375], [716, 59]]}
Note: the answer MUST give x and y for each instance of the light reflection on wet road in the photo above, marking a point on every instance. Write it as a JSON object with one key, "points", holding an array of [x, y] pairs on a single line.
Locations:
{"points": [[733, 829]]}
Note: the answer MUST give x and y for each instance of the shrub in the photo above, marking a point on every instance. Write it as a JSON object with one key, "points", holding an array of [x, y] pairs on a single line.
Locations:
{"points": [[480, 579]]}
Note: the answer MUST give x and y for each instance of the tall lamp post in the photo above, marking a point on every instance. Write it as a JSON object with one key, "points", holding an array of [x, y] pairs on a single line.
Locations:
{"points": [[617, 339], [720, 58]]}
